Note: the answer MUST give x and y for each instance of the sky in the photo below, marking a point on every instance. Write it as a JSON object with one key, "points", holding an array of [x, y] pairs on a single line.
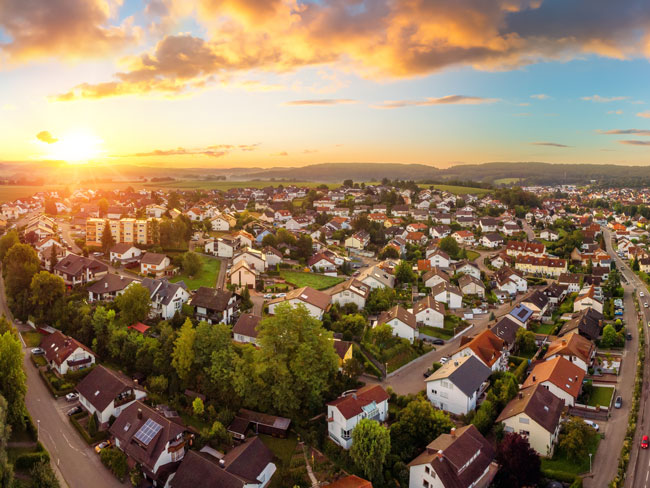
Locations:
{"points": [[239, 83]]}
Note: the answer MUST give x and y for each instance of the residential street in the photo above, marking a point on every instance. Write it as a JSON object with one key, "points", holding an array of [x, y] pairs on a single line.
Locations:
{"points": [[76, 464]]}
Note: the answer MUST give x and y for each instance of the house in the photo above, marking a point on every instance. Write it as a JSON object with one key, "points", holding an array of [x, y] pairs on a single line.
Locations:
{"points": [[588, 323], [106, 393], [350, 291], [535, 414], [256, 259], [166, 298], [488, 224], [549, 235], [506, 330], [521, 315], [468, 268], [222, 223], [375, 277], [403, 322], [429, 312], [571, 281], [124, 253], [574, 348], [538, 303], [458, 384], [434, 277], [154, 264], [438, 257], [491, 240], [242, 275], [79, 270], [344, 351], [587, 299], [351, 481], [449, 294], [439, 231], [561, 377], [273, 256], [486, 347], [541, 266], [359, 240], [245, 329], [470, 285], [108, 287], [316, 302], [344, 413], [464, 237], [64, 353], [214, 306], [248, 465], [44, 250], [320, 262], [461, 459], [510, 280], [525, 248], [151, 440]]}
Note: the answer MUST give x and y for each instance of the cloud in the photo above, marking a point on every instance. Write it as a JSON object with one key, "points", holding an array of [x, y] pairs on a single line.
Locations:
{"points": [[377, 39], [635, 143], [46, 137], [446, 100], [540, 96], [322, 102], [614, 112], [215, 151], [281, 154], [549, 144], [645, 115], [635, 132], [599, 99], [68, 29]]}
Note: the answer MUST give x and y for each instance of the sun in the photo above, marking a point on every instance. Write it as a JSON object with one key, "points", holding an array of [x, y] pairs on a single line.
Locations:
{"points": [[77, 147]]}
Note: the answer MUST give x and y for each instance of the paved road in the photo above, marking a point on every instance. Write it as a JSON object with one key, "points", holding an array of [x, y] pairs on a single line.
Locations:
{"points": [[75, 463], [66, 235]]}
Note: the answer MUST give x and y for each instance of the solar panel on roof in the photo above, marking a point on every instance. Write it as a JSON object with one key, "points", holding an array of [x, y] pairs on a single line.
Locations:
{"points": [[147, 432]]}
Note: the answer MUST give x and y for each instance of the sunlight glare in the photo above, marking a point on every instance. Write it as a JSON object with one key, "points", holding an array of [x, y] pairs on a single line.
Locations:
{"points": [[76, 147]]}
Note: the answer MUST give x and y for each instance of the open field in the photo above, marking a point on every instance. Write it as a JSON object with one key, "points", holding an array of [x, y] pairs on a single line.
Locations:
{"points": [[506, 181], [317, 281], [459, 190], [206, 277], [226, 185]]}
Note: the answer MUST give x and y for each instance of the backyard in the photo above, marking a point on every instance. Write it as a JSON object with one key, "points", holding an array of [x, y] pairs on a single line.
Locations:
{"points": [[600, 395], [560, 461], [206, 277], [317, 281]]}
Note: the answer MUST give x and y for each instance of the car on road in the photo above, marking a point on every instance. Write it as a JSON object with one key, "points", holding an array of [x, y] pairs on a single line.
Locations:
{"points": [[268, 296], [37, 351], [641, 294], [71, 397], [102, 445], [644, 442], [645, 304], [98, 254], [443, 360], [428, 372], [628, 336], [438, 342], [74, 411], [281, 295], [592, 424], [618, 403]]}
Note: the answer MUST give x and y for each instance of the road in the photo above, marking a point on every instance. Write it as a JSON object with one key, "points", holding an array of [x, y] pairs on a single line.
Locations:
{"points": [[74, 462]]}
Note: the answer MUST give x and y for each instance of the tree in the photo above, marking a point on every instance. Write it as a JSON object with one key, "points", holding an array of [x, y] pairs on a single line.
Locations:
{"points": [[450, 246], [525, 341], [92, 425], [12, 380], [7, 241], [47, 292], [108, 241], [197, 407], [484, 418], [53, 258], [305, 246], [158, 384], [575, 438], [173, 201], [380, 299], [20, 264], [102, 205], [389, 252], [610, 337], [6, 470], [134, 304], [417, 424], [49, 207], [519, 463], [370, 447], [183, 355], [352, 368], [246, 302], [404, 272], [269, 240], [43, 476], [192, 263]]}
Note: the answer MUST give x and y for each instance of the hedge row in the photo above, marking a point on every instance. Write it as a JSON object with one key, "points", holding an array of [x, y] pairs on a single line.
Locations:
{"points": [[558, 475], [98, 437], [54, 391], [25, 462]]}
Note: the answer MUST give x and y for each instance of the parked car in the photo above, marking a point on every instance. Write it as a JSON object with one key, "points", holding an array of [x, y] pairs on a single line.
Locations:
{"points": [[71, 397], [428, 372], [644, 442], [645, 305], [268, 296], [102, 445], [74, 411], [592, 424], [628, 336], [438, 342], [37, 351], [618, 403], [443, 360], [641, 294]]}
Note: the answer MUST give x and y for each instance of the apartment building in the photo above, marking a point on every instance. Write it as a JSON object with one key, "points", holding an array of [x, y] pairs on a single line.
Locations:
{"points": [[126, 230]]}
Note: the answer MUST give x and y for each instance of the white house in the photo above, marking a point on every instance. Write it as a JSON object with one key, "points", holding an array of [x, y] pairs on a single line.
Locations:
{"points": [[574, 348], [456, 386], [487, 348], [403, 322], [245, 329], [511, 281], [350, 291], [166, 298], [439, 258], [429, 312], [256, 259], [468, 268], [124, 252], [344, 413], [154, 264], [316, 302], [561, 377], [447, 293], [65, 354]]}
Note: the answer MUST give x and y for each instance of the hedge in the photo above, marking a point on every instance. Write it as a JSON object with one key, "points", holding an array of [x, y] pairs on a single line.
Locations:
{"points": [[54, 391], [555, 474], [90, 440], [25, 462]]}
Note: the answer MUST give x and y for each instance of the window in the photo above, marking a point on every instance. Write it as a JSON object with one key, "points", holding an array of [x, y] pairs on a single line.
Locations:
{"points": [[427, 470], [346, 434], [523, 420], [425, 483], [524, 433], [444, 395]]}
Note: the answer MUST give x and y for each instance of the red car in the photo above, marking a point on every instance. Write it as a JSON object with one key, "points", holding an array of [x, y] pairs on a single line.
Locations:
{"points": [[644, 442]]}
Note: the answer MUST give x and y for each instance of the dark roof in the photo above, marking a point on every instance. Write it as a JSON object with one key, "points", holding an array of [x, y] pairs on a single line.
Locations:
{"points": [[121, 248], [247, 325], [587, 321], [163, 288], [352, 404], [506, 329], [211, 298], [248, 460], [538, 403], [341, 348], [58, 347], [152, 258], [73, 265], [110, 283], [280, 423], [101, 386], [306, 294], [521, 312], [467, 374], [198, 470], [537, 298]]}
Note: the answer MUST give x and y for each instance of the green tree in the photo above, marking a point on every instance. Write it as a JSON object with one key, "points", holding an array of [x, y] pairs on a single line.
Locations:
{"points": [[20, 265], [609, 338], [158, 384], [47, 292], [134, 304], [575, 437], [197, 407], [370, 447], [417, 424], [269, 240], [246, 302], [484, 418], [7, 241], [53, 258], [525, 341], [102, 205], [174, 201], [389, 252], [404, 272], [115, 461], [12, 380], [92, 426], [450, 246], [6, 470], [380, 299], [108, 241], [43, 476], [192, 263], [183, 355]]}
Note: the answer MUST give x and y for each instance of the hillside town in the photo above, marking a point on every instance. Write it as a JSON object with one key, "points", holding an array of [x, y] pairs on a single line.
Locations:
{"points": [[352, 336]]}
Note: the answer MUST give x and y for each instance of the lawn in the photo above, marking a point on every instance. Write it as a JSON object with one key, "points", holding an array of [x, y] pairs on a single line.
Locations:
{"points": [[436, 332], [560, 462], [282, 448], [32, 339], [206, 277], [545, 328], [600, 395], [317, 281], [472, 255], [401, 359]]}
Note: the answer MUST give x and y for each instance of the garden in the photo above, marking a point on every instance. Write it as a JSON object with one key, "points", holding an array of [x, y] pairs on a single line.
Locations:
{"points": [[314, 280], [207, 276]]}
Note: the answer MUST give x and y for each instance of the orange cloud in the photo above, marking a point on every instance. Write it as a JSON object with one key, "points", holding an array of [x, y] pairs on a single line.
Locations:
{"points": [[215, 151], [447, 100], [322, 102], [63, 28], [549, 144], [635, 143]]}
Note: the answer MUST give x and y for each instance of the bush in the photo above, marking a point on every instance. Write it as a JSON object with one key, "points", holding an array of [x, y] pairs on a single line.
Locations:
{"points": [[25, 462], [559, 475], [98, 437], [115, 461]]}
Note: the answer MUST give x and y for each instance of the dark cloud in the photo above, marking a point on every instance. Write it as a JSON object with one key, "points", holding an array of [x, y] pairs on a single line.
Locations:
{"points": [[635, 143], [46, 137], [549, 144], [635, 132]]}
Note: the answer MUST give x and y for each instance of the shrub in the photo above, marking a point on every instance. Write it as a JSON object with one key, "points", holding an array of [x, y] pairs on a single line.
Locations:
{"points": [[25, 462], [115, 461]]}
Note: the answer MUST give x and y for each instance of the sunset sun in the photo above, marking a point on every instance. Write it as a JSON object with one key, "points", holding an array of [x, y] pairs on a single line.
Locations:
{"points": [[76, 147]]}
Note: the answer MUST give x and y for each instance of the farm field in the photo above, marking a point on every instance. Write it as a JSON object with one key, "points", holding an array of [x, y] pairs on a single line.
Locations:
{"points": [[226, 185], [506, 181], [317, 281]]}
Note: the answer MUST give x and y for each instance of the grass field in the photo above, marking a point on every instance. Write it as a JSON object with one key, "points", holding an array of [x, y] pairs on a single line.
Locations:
{"points": [[545, 328], [600, 395], [282, 448], [206, 277], [472, 255], [506, 181], [459, 190], [32, 339], [317, 281], [226, 185]]}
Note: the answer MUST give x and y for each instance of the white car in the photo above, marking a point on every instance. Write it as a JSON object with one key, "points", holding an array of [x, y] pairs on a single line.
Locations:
{"points": [[592, 424], [268, 296], [443, 360], [71, 397], [645, 305], [641, 294]]}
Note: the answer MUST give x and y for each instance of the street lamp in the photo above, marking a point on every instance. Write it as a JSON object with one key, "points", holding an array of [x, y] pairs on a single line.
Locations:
{"points": [[590, 454], [38, 428]]}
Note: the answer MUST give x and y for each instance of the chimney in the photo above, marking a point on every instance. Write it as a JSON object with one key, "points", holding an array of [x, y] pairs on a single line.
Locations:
{"points": [[140, 413], [521, 395], [439, 454], [534, 379], [453, 431]]}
